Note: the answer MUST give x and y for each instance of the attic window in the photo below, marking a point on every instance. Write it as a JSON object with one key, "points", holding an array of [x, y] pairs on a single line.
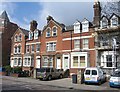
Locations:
{"points": [[16, 38], [85, 26], [48, 33], [30, 35], [36, 34], [104, 23], [54, 32], [20, 37], [77, 27], [114, 21]]}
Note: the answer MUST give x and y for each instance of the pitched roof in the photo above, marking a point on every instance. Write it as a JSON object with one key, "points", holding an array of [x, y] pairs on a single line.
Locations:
{"points": [[26, 32], [60, 24], [4, 16]]}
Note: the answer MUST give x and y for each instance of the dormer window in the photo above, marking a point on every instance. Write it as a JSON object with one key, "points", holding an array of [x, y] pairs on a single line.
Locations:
{"points": [[48, 33], [30, 35], [54, 32], [104, 23], [85, 25], [114, 21], [36, 33], [77, 27]]}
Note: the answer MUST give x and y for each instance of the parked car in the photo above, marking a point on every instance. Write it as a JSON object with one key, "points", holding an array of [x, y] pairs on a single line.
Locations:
{"points": [[94, 75], [115, 79], [49, 73]]}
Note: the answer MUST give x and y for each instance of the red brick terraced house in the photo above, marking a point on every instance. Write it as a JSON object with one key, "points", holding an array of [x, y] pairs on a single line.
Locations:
{"points": [[18, 47], [78, 46], [32, 57], [71, 48]]}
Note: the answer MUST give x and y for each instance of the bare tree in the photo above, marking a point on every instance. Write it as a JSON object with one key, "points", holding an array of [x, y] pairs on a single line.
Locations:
{"points": [[110, 6]]}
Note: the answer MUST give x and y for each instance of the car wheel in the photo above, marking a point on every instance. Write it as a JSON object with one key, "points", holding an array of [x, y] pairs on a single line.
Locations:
{"points": [[100, 82], [61, 76], [50, 77]]}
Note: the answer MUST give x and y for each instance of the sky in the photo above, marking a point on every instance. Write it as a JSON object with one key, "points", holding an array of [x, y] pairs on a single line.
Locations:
{"points": [[67, 13]]}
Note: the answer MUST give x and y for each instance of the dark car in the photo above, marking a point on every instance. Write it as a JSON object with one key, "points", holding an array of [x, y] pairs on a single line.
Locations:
{"points": [[49, 73]]}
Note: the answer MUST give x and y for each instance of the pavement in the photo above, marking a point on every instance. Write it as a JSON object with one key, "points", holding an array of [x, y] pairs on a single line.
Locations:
{"points": [[63, 83]]}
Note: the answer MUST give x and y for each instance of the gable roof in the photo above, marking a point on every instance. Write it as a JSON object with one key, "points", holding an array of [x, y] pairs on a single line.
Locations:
{"points": [[4, 16], [25, 32], [59, 24], [113, 15], [104, 17]]}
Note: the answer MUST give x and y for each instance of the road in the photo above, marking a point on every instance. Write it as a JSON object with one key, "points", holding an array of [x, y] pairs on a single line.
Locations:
{"points": [[11, 84]]}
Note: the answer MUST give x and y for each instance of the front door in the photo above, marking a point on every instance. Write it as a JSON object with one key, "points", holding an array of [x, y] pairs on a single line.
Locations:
{"points": [[38, 63], [58, 63], [66, 63]]}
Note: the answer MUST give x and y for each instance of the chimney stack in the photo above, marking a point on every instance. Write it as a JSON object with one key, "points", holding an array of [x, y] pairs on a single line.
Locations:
{"points": [[33, 25], [49, 18], [97, 13]]}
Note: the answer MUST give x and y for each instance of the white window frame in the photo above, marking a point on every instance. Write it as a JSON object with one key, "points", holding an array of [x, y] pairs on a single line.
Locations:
{"points": [[19, 49], [32, 48], [104, 20], [45, 59], [17, 63], [48, 31], [77, 42], [104, 59], [38, 47], [116, 20], [20, 37], [76, 27], [27, 47], [15, 49], [49, 59], [79, 54], [27, 62], [54, 31], [85, 26], [85, 43], [16, 38], [36, 34], [51, 46], [30, 35]]}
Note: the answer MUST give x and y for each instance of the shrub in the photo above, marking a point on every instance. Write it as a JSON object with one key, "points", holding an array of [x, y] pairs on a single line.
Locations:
{"points": [[16, 69], [8, 68]]}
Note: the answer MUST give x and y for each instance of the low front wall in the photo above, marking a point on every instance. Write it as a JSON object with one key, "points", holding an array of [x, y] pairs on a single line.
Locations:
{"points": [[3, 73], [75, 71]]}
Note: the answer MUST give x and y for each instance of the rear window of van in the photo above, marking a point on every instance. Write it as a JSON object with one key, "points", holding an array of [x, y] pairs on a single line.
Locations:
{"points": [[94, 72], [87, 72]]}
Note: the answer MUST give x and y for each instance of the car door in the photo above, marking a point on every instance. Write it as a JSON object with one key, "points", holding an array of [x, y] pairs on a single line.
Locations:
{"points": [[87, 75], [94, 75]]}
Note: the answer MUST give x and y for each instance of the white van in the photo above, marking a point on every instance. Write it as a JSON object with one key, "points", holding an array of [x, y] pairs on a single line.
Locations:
{"points": [[94, 75]]}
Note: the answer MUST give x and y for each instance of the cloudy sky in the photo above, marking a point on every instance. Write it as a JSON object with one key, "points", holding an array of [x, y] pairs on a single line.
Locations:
{"points": [[64, 12]]}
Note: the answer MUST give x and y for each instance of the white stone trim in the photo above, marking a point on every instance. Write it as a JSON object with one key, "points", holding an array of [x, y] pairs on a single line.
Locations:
{"points": [[33, 43], [73, 38]]}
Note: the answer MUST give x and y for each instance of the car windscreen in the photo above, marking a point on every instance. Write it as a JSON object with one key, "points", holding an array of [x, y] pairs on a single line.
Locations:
{"points": [[94, 72], [116, 74], [87, 72], [43, 70]]}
